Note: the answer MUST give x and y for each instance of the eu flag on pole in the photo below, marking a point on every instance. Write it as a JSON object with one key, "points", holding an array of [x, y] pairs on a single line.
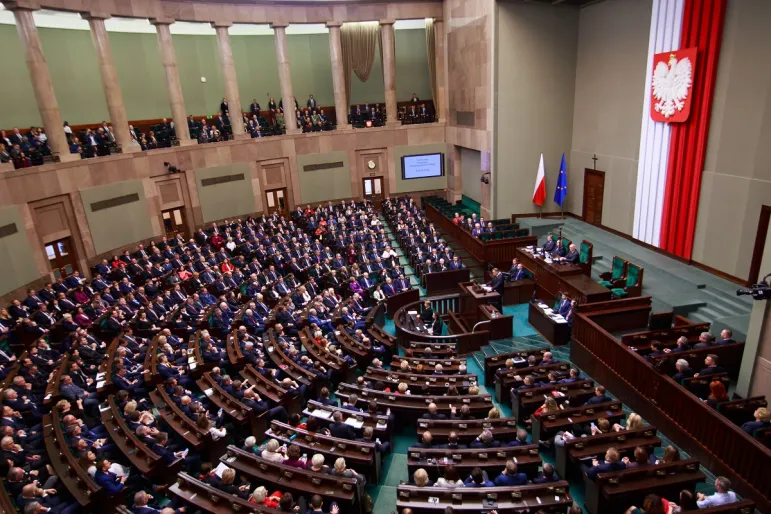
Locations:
{"points": [[562, 184]]}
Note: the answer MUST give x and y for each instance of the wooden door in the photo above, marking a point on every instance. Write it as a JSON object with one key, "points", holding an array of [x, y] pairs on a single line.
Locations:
{"points": [[174, 222], [373, 189], [276, 201], [594, 189], [760, 244], [61, 257]]}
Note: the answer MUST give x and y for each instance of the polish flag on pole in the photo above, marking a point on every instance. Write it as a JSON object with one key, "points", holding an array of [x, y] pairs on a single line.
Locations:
{"points": [[539, 193]]}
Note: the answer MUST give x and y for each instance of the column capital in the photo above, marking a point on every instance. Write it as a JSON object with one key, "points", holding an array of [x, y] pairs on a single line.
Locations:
{"points": [[162, 21], [221, 24], [331, 24], [95, 15], [279, 25], [387, 22], [22, 5]]}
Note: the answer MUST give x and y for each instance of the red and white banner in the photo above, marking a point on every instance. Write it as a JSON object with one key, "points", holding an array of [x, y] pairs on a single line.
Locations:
{"points": [[683, 55], [539, 193]]}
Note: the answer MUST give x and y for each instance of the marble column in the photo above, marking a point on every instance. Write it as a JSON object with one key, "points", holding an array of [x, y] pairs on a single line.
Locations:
{"points": [[41, 82], [285, 78], [338, 75], [440, 102], [231, 80], [173, 85], [110, 84], [389, 70]]}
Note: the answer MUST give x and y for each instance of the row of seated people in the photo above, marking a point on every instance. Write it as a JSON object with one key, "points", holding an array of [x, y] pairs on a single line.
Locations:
{"points": [[601, 442], [78, 375], [428, 252], [704, 365], [24, 150]]}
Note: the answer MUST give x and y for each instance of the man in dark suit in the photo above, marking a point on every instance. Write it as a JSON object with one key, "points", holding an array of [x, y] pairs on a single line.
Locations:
{"points": [[712, 367], [559, 250], [572, 256], [683, 371], [549, 245], [254, 108], [610, 464], [726, 337], [340, 429], [496, 282], [519, 273], [224, 106], [564, 305], [433, 413], [599, 396], [311, 103]]}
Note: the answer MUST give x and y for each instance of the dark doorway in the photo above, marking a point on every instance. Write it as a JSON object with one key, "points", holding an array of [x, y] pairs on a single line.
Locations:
{"points": [[594, 189]]}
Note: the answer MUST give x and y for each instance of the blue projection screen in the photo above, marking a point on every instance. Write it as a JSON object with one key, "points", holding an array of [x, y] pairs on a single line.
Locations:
{"points": [[422, 166]]}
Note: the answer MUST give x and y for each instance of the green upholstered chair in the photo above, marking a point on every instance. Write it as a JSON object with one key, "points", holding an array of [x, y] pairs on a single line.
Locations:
{"points": [[497, 235], [633, 284], [583, 254], [485, 237], [523, 232], [617, 273]]}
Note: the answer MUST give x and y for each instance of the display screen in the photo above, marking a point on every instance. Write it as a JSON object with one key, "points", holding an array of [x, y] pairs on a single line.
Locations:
{"points": [[422, 166]]}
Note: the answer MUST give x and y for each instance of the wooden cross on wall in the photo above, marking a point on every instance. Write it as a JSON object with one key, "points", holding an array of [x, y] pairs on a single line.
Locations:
{"points": [[595, 159]]}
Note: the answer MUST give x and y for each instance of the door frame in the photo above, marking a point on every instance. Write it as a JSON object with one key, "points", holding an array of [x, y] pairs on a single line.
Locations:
{"points": [[587, 172], [286, 200], [760, 244]]}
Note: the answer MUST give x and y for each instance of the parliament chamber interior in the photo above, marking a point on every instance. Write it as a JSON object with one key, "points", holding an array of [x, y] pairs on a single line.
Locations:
{"points": [[500, 256]]}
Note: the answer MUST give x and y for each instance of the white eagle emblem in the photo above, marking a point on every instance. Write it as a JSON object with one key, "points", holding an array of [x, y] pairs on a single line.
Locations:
{"points": [[671, 84]]}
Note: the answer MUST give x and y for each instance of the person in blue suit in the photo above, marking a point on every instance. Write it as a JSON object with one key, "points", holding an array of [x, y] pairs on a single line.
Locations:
{"points": [[762, 420], [477, 479], [611, 463], [510, 476], [564, 305], [520, 274], [111, 482]]}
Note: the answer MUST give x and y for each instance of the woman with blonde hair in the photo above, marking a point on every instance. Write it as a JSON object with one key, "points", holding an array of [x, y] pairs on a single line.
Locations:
{"points": [[341, 470], [633, 422], [404, 366], [402, 388], [549, 406], [494, 413], [420, 478], [272, 452], [260, 497], [227, 485], [473, 390]]}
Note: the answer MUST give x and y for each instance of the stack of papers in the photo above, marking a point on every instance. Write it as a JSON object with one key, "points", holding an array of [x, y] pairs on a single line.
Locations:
{"points": [[321, 413], [355, 423]]}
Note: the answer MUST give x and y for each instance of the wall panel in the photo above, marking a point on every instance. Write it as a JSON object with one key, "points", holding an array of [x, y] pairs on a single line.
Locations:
{"points": [[225, 191], [16, 252]]}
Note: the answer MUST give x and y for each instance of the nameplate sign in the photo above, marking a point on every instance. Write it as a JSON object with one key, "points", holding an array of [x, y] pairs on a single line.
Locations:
{"points": [[324, 166], [465, 118], [222, 180], [114, 202], [8, 230]]}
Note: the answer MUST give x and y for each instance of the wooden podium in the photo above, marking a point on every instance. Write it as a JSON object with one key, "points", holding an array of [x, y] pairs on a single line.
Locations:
{"points": [[474, 308]]}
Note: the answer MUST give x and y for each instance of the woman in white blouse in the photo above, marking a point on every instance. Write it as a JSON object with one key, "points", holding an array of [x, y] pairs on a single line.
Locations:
{"points": [[272, 452], [450, 478], [378, 295]]}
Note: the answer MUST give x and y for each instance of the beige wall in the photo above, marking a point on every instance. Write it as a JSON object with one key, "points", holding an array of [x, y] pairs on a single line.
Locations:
{"points": [[610, 88], [227, 199], [469, 25], [737, 175], [328, 184], [471, 171], [534, 89], [116, 226], [15, 253], [419, 184]]}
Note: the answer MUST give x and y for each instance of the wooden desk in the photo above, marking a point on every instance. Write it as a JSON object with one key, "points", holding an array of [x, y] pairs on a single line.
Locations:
{"points": [[548, 276], [393, 303], [210, 499], [519, 291], [564, 419], [584, 448], [499, 326], [552, 497], [473, 296], [444, 282], [584, 289], [492, 460], [503, 429], [556, 333]]}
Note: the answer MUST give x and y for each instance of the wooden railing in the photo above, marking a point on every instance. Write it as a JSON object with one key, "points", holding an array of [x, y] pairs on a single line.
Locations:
{"points": [[464, 343], [720, 445], [499, 250]]}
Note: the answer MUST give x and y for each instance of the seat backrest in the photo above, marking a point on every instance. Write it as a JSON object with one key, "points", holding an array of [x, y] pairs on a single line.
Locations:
{"points": [[584, 254], [632, 274], [618, 267]]}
